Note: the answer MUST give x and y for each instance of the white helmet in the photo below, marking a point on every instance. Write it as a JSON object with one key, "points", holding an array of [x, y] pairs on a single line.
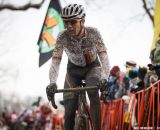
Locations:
{"points": [[73, 11]]}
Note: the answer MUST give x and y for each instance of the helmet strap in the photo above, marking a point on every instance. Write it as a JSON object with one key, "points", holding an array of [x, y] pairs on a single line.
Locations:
{"points": [[81, 28]]}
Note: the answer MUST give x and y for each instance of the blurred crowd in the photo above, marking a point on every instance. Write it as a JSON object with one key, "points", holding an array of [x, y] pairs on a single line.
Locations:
{"points": [[37, 117], [134, 79]]}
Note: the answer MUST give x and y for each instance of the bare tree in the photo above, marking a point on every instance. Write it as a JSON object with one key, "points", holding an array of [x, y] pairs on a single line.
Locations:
{"points": [[148, 6], [12, 6], [16, 104]]}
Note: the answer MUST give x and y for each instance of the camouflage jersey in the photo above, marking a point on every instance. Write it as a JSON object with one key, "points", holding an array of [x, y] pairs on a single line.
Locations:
{"points": [[80, 52]]}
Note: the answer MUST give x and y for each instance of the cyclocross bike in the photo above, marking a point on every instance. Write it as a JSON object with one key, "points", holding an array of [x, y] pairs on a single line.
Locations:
{"points": [[83, 119]]}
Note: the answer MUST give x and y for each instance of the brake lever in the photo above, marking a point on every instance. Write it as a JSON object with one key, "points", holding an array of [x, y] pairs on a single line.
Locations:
{"points": [[53, 101]]}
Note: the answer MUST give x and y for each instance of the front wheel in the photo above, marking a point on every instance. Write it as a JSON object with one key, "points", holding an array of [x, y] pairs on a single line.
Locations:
{"points": [[81, 123]]}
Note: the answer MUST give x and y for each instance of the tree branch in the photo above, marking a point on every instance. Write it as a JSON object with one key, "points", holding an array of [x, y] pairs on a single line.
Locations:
{"points": [[148, 11], [24, 7]]}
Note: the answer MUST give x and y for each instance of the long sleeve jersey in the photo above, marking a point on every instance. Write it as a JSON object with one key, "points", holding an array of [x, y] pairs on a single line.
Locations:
{"points": [[76, 50]]}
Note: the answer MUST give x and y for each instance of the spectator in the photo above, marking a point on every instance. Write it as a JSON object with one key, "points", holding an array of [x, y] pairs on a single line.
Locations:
{"points": [[133, 79], [122, 87], [113, 83], [140, 80]]}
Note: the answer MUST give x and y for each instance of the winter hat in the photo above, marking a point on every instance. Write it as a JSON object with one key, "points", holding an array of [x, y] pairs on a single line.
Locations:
{"points": [[115, 70]]}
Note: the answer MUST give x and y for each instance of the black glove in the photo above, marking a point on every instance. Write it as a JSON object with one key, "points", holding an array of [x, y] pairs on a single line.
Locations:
{"points": [[154, 66], [50, 91], [151, 67], [102, 85]]}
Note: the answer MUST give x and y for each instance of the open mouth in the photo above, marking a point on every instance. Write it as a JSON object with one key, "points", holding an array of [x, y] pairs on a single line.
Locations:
{"points": [[71, 31]]}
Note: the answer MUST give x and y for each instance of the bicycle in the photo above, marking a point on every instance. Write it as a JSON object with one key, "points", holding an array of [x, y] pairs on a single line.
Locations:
{"points": [[83, 119]]}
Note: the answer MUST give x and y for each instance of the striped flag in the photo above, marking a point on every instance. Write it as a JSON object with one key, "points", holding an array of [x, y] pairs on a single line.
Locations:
{"points": [[52, 25]]}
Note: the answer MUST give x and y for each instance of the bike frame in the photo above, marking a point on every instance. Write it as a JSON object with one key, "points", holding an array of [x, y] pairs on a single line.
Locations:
{"points": [[82, 103]]}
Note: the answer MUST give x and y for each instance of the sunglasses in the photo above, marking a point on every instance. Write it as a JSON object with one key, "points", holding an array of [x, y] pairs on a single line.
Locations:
{"points": [[71, 22]]}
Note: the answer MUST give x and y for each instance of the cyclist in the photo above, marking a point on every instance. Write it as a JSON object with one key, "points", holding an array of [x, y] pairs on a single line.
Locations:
{"points": [[83, 45]]}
